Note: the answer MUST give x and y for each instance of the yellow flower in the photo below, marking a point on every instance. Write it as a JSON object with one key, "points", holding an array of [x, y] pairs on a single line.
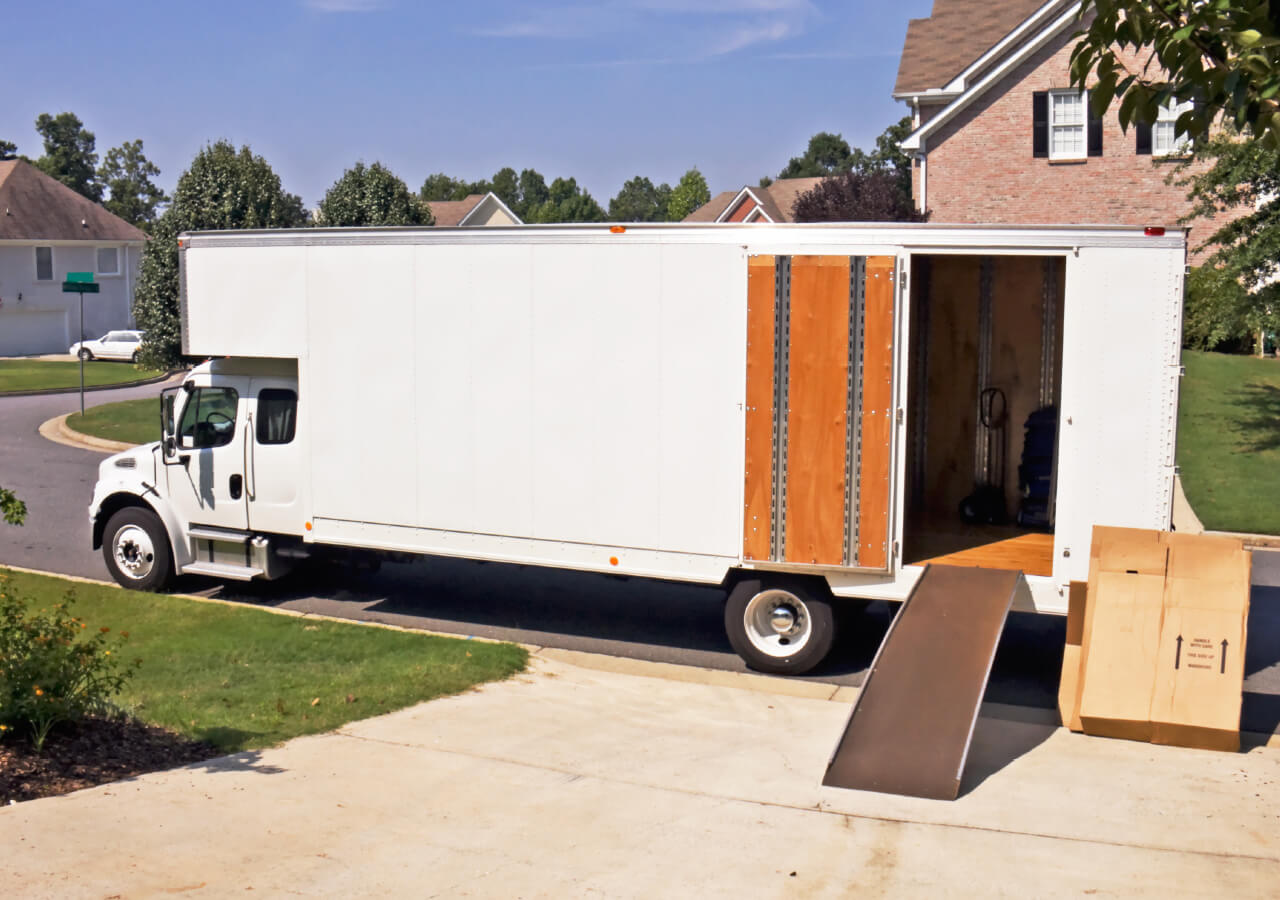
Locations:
{"points": [[39, 693], [108, 653]]}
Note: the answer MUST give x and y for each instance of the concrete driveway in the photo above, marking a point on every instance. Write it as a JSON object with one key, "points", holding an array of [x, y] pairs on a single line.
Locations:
{"points": [[575, 780]]}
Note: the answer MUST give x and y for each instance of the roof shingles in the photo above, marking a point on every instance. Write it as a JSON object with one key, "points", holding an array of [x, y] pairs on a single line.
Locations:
{"points": [[957, 32], [35, 207]]}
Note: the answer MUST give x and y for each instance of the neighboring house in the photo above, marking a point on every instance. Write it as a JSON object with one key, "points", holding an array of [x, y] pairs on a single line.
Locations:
{"points": [[755, 204], [46, 231], [476, 209], [1001, 136]]}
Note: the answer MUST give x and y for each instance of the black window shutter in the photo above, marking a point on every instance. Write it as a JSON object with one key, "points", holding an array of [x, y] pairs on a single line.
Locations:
{"points": [[1095, 129], [1142, 133], [1040, 123]]}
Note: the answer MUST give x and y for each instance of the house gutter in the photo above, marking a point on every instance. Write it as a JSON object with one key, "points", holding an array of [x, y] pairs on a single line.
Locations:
{"points": [[923, 158]]}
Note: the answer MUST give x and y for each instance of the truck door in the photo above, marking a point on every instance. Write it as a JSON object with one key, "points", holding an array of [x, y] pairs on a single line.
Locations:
{"points": [[820, 410], [208, 487], [274, 470]]}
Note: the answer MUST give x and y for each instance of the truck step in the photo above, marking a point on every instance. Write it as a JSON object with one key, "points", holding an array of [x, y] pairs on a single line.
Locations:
{"points": [[212, 533], [222, 570]]}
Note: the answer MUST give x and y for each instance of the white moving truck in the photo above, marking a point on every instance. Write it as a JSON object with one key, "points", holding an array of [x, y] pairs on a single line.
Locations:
{"points": [[801, 413]]}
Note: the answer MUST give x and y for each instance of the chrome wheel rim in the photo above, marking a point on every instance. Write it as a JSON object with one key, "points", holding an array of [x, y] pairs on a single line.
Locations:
{"points": [[135, 555], [778, 623]]}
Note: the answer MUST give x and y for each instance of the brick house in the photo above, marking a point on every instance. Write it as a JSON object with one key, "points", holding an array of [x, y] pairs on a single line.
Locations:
{"points": [[1000, 135], [755, 204]]}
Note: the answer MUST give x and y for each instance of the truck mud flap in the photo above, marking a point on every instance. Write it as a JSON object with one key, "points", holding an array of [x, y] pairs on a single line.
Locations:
{"points": [[910, 728]]}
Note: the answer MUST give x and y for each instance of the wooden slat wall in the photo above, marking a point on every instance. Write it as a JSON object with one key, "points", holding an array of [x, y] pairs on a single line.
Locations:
{"points": [[817, 409], [757, 522], [877, 415]]}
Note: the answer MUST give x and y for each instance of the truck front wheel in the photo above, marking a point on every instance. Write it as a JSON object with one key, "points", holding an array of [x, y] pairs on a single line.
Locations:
{"points": [[136, 549], [784, 627]]}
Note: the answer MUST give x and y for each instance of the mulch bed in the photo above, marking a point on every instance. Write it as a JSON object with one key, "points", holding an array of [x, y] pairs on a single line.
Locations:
{"points": [[92, 752]]}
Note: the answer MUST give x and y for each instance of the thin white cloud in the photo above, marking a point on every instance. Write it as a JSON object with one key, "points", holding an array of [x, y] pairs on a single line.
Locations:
{"points": [[711, 27], [344, 6]]}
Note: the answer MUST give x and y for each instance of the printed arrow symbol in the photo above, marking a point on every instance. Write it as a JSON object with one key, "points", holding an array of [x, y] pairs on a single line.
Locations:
{"points": [[1224, 657], [1177, 657]]}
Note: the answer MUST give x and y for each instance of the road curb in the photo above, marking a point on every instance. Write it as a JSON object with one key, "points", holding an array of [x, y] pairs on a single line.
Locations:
{"points": [[57, 430], [97, 387]]}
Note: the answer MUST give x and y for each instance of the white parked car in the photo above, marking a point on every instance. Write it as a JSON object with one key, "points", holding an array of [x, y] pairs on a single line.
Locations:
{"points": [[112, 345]]}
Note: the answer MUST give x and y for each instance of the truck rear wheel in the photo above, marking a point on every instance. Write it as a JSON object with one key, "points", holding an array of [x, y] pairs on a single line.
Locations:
{"points": [[780, 626], [136, 549]]}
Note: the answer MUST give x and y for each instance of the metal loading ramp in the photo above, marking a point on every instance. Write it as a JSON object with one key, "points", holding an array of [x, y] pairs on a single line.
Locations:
{"points": [[910, 728]]}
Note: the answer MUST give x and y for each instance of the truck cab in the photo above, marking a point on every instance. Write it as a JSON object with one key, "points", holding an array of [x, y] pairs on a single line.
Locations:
{"points": [[220, 493]]}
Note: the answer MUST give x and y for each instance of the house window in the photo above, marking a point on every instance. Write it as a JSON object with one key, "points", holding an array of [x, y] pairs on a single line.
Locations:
{"points": [[108, 260], [44, 264], [1164, 137], [1066, 124]]}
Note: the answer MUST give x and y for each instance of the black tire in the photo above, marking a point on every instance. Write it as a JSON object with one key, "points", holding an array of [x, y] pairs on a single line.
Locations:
{"points": [[134, 358], [135, 547], [85, 353], [748, 621]]}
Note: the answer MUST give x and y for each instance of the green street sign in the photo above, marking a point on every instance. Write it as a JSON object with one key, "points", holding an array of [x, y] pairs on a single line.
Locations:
{"points": [[80, 278], [78, 287]]}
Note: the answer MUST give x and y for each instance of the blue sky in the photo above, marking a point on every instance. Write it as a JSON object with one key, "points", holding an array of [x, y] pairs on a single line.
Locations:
{"points": [[600, 90]]}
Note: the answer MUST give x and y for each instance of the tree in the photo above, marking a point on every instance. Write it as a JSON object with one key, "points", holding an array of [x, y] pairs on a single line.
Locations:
{"points": [[127, 175], [1225, 56], [566, 202], [1234, 171], [889, 155], [371, 195], [8, 150], [223, 188], [12, 510], [533, 192], [442, 187], [68, 153], [640, 201], [857, 197], [827, 154], [690, 192], [506, 187]]}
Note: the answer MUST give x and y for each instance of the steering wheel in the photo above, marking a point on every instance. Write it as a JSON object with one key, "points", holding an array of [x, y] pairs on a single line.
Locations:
{"points": [[219, 421]]}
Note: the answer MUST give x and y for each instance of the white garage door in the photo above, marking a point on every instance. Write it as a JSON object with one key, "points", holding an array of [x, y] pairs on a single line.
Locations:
{"points": [[25, 333]]}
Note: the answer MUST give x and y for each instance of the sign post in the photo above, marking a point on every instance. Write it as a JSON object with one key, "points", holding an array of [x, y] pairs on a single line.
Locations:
{"points": [[80, 283]]}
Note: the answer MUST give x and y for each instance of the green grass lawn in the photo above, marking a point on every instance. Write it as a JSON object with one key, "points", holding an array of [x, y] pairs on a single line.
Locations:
{"points": [[131, 421], [42, 374], [241, 678], [1229, 441]]}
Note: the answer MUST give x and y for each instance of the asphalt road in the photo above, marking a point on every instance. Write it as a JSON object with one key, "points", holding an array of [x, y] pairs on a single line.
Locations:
{"points": [[639, 618]]}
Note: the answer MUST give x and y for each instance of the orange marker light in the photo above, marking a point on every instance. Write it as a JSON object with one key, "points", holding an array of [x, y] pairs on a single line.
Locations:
{"points": [[617, 229], [613, 560], [307, 526]]}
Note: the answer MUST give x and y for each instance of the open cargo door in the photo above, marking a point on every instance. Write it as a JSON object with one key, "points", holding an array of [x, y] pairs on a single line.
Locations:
{"points": [[819, 424]]}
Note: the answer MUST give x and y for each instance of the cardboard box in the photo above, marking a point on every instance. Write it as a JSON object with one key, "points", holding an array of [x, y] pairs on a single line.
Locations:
{"points": [[1161, 647], [1200, 666], [1069, 685], [1121, 638]]}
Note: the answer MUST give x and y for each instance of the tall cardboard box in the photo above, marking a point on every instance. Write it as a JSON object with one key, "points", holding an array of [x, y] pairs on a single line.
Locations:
{"points": [[1122, 629], [1199, 676]]}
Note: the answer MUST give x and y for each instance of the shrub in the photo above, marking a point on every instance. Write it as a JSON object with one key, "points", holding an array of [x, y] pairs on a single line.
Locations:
{"points": [[53, 668], [1219, 314]]}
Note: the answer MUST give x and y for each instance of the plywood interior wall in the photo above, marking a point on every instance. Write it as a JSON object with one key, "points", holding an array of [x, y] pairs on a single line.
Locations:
{"points": [[758, 513], [877, 414], [817, 409], [952, 382], [951, 342]]}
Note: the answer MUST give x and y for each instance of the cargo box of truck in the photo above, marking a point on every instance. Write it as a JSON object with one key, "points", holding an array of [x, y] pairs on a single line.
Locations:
{"points": [[803, 414]]}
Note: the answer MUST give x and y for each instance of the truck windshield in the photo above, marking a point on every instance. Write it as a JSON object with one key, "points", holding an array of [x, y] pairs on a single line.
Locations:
{"points": [[209, 418]]}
